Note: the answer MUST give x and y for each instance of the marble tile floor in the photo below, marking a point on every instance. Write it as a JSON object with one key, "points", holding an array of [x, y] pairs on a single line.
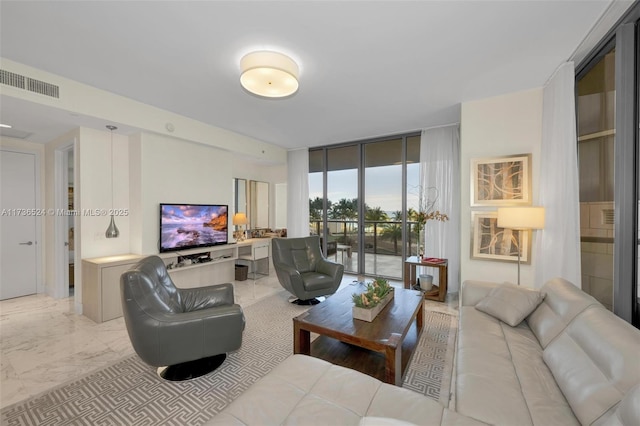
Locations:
{"points": [[43, 343]]}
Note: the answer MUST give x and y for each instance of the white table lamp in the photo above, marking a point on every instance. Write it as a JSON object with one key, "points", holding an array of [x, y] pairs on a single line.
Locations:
{"points": [[521, 219]]}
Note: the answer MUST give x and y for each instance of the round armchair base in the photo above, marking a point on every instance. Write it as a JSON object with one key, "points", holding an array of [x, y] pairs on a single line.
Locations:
{"points": [[191, 369], [307, 302]]}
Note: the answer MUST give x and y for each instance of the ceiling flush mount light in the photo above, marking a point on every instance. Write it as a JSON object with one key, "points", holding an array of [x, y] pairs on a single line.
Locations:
{"points": [[269, 74]]}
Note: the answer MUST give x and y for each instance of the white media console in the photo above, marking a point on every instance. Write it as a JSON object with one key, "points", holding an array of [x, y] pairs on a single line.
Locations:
{"points": [[188, 269]]}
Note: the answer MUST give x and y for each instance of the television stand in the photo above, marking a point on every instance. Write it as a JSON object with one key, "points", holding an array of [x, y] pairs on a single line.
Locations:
{"points": [[201, 266]]}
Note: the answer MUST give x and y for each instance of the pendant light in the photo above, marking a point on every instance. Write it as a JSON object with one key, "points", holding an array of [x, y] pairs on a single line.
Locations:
{"points": [[112, 230]]}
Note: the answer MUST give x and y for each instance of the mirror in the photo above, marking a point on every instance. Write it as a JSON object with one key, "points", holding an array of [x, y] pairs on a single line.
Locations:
{"points": [[258, 204], [252, 197], [240, 196]]}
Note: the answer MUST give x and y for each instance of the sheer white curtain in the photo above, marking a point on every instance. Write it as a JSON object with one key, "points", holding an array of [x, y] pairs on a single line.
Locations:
{"points": [[440, 168], [298, 193], [558, 245]]}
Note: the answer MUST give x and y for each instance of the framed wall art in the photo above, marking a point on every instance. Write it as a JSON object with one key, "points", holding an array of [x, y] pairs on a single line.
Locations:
{"points": [[501, 181], [490, 242]]}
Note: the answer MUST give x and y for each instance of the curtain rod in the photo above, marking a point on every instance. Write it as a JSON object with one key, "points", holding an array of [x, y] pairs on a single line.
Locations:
{"points": [[457, 123]]}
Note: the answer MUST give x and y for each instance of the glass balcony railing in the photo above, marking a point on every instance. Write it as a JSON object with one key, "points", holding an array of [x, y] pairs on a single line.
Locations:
{"points": [[380, 237]]}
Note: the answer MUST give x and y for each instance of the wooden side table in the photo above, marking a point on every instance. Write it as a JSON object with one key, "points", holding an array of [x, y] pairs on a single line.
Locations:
{"points": [[410, 277]]}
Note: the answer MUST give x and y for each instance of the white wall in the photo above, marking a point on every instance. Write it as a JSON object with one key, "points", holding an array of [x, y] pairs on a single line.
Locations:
{"points": [[499, 126], [169, 170], [94, 168]]}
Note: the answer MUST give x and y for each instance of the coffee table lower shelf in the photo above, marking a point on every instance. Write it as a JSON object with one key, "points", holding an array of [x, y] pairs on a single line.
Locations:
{"points": [[369, 362]]}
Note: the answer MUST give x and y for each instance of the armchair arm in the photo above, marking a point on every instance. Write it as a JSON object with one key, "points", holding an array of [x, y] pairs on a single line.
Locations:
{"points": [[289, 277], [194, 299], [333, 269]]}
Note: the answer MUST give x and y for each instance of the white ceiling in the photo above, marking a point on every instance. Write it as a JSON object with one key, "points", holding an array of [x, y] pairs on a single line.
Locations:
{"points": [[367, 68]]}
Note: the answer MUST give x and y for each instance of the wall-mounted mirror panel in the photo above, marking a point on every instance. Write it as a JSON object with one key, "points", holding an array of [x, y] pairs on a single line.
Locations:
{"points": [[240, 196], [252, 197], [258, 204]]}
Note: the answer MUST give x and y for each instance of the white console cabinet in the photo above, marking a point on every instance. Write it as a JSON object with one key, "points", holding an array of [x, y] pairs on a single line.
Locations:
{"points": [[101, 285]]}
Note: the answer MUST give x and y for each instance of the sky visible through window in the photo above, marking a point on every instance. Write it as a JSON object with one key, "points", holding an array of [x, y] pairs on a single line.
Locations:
{"points": [[382, 186]]}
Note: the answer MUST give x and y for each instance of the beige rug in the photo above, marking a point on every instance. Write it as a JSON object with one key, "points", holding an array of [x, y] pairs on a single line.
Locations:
{"points": [[129, 392]]}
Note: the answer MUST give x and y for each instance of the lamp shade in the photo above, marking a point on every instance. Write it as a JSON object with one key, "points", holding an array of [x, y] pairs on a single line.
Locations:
{"points": [[240, 219], [521, 217], [269, 74]]}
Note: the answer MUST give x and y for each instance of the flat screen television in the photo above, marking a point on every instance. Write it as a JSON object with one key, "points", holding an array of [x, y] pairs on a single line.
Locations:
{"points": [[188, 226]]}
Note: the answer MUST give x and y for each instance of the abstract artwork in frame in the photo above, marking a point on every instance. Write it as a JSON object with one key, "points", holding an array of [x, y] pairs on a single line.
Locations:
{"points": [[501, 181], [490, 242]]}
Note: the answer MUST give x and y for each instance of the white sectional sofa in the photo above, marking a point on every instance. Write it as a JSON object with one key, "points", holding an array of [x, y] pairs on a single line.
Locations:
{"points": [[569, 362]]}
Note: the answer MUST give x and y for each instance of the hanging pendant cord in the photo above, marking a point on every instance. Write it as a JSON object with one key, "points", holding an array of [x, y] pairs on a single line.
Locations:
{"points": [[112, 128]]}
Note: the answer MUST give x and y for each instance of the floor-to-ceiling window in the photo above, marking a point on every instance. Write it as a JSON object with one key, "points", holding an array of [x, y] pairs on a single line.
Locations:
{"points": [[316, 193], [636, 309], [412, 191], [342, 204], [608, 108], [383, 207], [596, 141], [358, 202]]}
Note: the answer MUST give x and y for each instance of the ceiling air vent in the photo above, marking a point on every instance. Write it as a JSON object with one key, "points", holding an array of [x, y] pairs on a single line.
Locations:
{"points": [[607, 216], [30, 84], [12, 79], [43, 88]]}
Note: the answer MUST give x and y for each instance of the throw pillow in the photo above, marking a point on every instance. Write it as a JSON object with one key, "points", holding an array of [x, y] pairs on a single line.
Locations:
{"points": [[510, 303]]}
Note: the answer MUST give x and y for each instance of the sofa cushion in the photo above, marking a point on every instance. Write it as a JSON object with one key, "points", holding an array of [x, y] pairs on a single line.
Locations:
{"points": [[501, 377], [310, 391], [629, 410], [595, 362], [625, 413], [510, 303], [563, 301], [487, 387]]}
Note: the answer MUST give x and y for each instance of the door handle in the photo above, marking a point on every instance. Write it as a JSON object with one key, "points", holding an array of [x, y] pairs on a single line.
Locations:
{"points": [[66, 244], [28, 243]]}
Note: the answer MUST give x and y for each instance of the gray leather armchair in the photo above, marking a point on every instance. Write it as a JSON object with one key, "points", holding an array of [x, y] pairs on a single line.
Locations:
{"points": [[302, 269], [188, 330]]}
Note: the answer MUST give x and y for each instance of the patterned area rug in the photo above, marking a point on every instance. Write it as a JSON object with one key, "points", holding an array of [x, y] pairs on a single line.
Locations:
{"points": [[129, 392], [431, 368]]}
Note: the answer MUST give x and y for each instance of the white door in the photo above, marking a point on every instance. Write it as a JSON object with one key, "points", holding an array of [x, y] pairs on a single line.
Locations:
{"points": [[17, 224]]}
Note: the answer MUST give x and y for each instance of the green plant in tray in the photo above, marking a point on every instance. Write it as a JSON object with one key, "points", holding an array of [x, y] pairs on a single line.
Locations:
{"points": [[376, 291]]}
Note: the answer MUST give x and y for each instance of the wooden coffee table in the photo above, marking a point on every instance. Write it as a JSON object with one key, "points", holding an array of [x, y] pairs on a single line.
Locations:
{"points": [[382, 348]]}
